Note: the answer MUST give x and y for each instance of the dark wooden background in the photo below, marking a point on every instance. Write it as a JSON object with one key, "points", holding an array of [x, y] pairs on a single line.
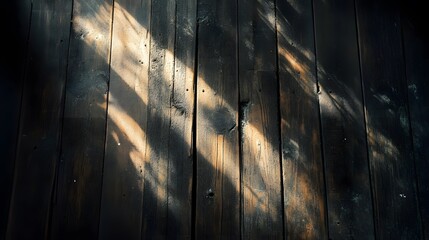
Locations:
{"points": [[214, 119]]}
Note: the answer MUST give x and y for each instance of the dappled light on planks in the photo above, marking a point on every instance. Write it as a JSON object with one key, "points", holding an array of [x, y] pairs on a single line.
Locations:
{"points": [[304, 202]]}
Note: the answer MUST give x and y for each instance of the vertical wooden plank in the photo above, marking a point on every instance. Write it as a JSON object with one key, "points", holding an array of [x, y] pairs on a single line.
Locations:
{"points": [[161, 72], [388, 136], [122, 192], [304, 202], [180, 159], [78, 190], [417, 64], [350, 214], [15, 23], [41, 115], [261, 179], [217, 187]]}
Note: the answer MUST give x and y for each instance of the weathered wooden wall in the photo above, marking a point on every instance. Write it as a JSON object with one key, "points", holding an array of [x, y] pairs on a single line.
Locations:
{"points": [[200, 119]]}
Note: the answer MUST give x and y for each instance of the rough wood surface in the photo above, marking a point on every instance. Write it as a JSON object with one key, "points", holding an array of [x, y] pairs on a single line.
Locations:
{"points": [[415, 33], [350, 214], [181, 158], [126, 142], [78, 188], [304, 201], [388, 136], [217, 143], [41, 119], [259, 130], [156, 168], [211, 119]]}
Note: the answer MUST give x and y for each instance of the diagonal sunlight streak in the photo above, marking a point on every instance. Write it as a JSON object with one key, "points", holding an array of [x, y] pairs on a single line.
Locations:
{"points": [[261, 173], [296, 5], [336, 100], [131, 67], [211, 106], [260, 149], [131, 129], [133, 39], [295, 67], [128, 68], [90, 28], [284, 30]]}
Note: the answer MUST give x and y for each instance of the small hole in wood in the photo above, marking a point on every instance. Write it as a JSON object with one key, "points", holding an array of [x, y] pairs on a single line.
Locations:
{"points": [[210, 194]]}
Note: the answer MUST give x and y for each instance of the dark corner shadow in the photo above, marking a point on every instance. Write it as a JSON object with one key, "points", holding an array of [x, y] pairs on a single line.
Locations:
{"points": [[414, 13], [14, 25]]}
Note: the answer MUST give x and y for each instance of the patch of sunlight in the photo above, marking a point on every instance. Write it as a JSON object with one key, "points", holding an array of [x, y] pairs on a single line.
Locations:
{"points": [[92, 27], [299, 70], [130, 48], [382, 98], [334, 104], [262, 152], [285, 123], [169, 65], [138, 152], [229, 166], [250, 47], [218, 151], [290, 149], [210, 104], [258, 199], [297, 199], [266, 12], [295, 4], [283, 33], [129, 128], [383, 147]]}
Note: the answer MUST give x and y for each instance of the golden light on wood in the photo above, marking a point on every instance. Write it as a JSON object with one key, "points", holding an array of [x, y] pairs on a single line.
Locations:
{"points": [[130, 129], [299, 70]]}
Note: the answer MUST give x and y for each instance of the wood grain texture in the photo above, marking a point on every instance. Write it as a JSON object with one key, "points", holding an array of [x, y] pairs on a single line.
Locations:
{"points": [[78, 189], [202, 119], [304, 202], [181, 159], [41, 118], [416, 50], [261, 173], [347, 177], [161, 72], [126, 142], [388, 136], [15, 23], [218, 172]]}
